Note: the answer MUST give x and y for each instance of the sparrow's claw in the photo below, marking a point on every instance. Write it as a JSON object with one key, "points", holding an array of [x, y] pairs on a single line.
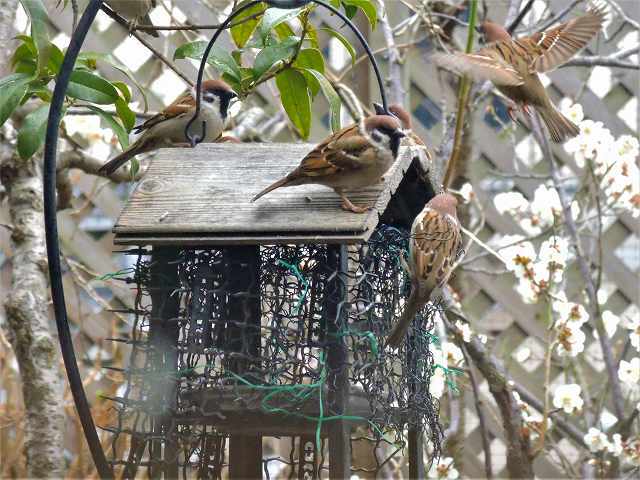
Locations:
{"points": [[350, 207], [511, 110], [527, 109]]}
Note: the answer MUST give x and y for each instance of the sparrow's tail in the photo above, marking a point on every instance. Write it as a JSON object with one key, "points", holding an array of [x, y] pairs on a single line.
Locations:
{"points": [[280, 183], [560, 127], [116, 162], [414, 303], [146, 20]]}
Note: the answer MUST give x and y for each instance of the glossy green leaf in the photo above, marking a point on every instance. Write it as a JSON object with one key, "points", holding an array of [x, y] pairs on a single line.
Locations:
{"points": [[367, 7], [242, 32], [218, 57], [40, 91], [113, 124], [12, 90], [39, 30], [126, 115], [295, 99], [274, 17], [134, 168], [310, 58], [269, 56], [124, 90], [343, 40], [88, 58], [55, 59], [32, 132], [91, 88], [332, 97]]}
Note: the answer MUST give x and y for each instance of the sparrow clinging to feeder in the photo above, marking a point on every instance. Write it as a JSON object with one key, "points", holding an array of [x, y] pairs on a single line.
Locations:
{"points": [[354, 157], [433, 248], [513, 65], [167, 127]]}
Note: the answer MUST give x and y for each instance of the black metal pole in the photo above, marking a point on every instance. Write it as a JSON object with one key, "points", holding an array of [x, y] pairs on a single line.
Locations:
{"points": [[195, 139], [53, 247]]}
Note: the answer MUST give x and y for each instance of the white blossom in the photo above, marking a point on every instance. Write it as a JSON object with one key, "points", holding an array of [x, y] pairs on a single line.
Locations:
{"points": [[444, 469], [546, 203], [616, 447], [611, 322], [627, 146], [567, 397], [629, 372], [570, 339], [575, 113], [554, 253], [466, 191], [452, 354], [596, 440], [437, 383], [571, 312], [519, 258], [512, 202], [527, 290], [634, 336], [464, 330]]}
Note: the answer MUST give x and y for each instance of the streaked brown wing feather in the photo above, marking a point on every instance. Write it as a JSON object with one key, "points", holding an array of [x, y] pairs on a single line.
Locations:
{"points": [[177, 107], [336, 153], [483, 65], [557, 45]]}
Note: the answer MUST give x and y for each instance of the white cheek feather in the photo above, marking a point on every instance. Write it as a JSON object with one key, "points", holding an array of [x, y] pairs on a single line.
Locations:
{"points": [[452, 219]]}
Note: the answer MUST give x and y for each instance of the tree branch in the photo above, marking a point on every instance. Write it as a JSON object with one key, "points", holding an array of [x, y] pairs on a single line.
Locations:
{"points": [[91, 165], [607, 353], [397, 92]]}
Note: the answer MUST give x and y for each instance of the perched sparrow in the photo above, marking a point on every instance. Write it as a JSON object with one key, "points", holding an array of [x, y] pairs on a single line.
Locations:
{"points": [[136, 11], [167, 127], [513, 65], [433, 247], [357, 156]]}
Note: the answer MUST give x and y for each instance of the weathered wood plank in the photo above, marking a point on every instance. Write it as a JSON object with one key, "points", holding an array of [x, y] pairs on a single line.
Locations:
{"points": [[207, 191]]}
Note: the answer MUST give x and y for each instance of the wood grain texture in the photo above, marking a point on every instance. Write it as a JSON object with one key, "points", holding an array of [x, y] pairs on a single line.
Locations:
{"points": [[202, 196]]}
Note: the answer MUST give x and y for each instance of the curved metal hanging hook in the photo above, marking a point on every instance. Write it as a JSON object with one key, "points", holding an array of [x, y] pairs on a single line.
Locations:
{"points": [[194, 139], [53, 247]]}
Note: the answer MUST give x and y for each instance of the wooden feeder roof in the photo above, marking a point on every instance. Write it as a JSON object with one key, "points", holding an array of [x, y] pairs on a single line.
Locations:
{"points": [[202, 196]]}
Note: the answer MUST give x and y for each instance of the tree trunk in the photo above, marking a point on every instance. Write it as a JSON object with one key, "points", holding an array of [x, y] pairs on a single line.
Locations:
{"points": [[26, 305]]}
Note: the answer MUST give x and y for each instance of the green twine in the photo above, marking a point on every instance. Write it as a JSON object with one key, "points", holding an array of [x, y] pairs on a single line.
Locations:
{"points": [[449, 374], [294, 269], [112, 275]]}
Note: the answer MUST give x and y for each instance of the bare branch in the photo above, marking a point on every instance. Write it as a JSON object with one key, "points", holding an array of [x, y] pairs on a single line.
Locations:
{"points": [[91, 165], [397, 92]]}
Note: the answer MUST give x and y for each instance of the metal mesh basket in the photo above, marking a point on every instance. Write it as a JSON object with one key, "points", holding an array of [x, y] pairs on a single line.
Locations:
{"points": [[271, 341]]}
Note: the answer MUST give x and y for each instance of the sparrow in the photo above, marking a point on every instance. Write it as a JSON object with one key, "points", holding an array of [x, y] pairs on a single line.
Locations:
{"points": [[355, 157], [433, 248], [513, 65], [137, 11], [167, 127]]}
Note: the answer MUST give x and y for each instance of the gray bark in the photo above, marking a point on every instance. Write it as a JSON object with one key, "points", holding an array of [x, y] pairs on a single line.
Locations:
{"points": [[26, 305]]}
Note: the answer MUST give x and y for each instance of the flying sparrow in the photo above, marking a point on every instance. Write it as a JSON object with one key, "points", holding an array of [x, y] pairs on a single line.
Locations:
{"points": [[167, 127], [136, 11], [513, 65], [355, 157], [433, 247]]}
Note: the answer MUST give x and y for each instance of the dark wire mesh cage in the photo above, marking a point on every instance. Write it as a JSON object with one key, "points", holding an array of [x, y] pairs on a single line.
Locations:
{"points": [[236, 344]]}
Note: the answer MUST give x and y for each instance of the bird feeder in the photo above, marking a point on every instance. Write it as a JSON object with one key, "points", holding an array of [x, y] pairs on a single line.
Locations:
{"points": [[268, 319]]}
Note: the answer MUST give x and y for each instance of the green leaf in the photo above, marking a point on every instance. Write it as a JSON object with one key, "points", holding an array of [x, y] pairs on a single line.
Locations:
{"points": [[55, 59], [134, 168], [310, 58], [12, 90], [91, 88], [269, 56], [124, 90], [242, 33], [31, 135], [295, 99], [335, 3], [40, 91], [331, 96], [367, 7], [338, 36], [39, 30], [114, 125], [88, 58], [218, 57], [274, 17], [126, 115]]}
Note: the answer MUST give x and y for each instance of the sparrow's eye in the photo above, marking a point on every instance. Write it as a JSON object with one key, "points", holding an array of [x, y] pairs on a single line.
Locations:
{"points": [[208, 97]]}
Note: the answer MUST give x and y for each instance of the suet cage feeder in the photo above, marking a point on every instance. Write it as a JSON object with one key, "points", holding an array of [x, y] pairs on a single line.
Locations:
{"points": [[269, 320]]}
